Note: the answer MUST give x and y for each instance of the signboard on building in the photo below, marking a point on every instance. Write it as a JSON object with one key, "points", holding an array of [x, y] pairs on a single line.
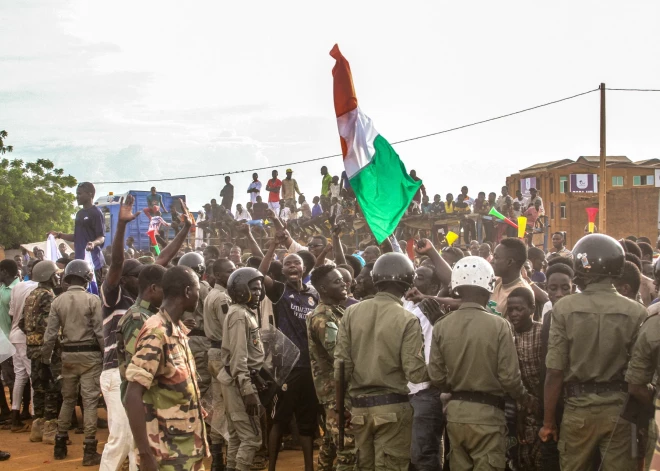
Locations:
{"points": [[526, 184], [584, 183]]}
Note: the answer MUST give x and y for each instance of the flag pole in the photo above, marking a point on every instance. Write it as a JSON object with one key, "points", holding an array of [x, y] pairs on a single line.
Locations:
{"points": [[602, 190]]}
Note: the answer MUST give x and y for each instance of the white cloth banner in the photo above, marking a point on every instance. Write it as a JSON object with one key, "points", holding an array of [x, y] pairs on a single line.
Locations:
{"points": [[7, 350], [92, 287], [52, 252]]}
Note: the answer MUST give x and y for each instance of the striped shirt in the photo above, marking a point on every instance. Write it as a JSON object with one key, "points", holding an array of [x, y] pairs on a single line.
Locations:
{"points": [[115, 303]]}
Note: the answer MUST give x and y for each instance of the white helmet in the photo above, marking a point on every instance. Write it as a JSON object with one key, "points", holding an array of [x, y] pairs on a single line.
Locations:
{"points": [[473, 271]]}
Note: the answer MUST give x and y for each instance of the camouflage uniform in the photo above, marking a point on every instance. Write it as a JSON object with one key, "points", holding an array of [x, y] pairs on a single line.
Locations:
{"points": [[128, 329], [242, 352], [322, 328], [199, 344], [164, 365], [216, 307], [46, 391]]}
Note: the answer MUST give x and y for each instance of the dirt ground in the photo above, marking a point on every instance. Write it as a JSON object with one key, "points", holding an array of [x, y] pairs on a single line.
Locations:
{"points": [[27, 456]]}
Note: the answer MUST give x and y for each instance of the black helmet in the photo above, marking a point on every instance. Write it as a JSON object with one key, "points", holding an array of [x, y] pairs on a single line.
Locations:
{"points": [[393, 267], [79, 268], [656, 271], [237, 285], [598, 255], [194, 261]]}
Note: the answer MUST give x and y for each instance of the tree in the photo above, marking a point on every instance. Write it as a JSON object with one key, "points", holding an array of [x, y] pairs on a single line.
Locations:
{"points": [[3, 148], [33, 200]]}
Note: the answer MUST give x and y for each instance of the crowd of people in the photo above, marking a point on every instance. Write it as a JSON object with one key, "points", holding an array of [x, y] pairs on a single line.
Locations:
{"points": [[491, 354]]}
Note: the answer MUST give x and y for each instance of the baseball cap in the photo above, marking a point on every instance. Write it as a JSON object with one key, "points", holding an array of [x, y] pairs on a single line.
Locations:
{"points": [[288, 170], [131, 267]]}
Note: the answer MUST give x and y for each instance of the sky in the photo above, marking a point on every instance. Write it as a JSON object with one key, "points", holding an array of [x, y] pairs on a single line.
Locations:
{"points": [[113, 91]]}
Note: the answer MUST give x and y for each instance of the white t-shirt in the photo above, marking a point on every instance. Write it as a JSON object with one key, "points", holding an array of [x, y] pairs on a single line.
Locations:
{"points": [[334, 190], [427, 332], [547, 307], [19, 294], [285, 214], [243, 214], [252, 186]]}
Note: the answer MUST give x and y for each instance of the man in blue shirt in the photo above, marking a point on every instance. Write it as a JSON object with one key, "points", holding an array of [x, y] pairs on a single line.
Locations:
{"points": [[317, 210], [89, 232], [292, 302]]}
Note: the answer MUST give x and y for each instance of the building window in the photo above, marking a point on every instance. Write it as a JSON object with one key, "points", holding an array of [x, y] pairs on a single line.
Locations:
{"points": [[563, 184], [552, 185], [617, 181], [562, 210], [552, 210], [643, 180]]}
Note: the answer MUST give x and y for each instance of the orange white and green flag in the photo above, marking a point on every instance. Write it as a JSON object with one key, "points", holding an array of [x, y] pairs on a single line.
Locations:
{"points": [[376, 173]]}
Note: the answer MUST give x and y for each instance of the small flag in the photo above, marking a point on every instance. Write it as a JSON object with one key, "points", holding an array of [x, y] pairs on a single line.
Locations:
{"points": [[378, 177]]}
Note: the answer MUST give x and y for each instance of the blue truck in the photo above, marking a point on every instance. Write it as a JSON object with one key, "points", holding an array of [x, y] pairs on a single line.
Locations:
{"points": [[109, 206]]}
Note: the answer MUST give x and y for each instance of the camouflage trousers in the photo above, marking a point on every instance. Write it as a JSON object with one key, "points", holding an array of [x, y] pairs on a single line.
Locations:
{"points": [[46, 391], [346, 458], [200, 346], [191, 464], [80, 369]]}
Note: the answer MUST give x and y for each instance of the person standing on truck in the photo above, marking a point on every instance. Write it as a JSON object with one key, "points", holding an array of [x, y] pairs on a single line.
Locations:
{"points": [[89, 232], [154, 203]]}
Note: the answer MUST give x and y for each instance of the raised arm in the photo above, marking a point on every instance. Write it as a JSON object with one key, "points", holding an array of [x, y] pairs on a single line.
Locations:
{"points": [[173, 247], [255, 250], [442, 268], [265, 264], [117, 263], [340, 257]]}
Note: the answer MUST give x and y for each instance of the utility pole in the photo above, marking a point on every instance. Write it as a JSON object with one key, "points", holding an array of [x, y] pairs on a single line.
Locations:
{"points": [[602, 187]]}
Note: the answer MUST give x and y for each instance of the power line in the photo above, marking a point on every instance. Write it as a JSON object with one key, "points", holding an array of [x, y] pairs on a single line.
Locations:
{"points": [[339, 155], [633, 89]]}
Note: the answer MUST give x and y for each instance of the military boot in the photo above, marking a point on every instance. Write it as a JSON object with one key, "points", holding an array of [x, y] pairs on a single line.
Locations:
{"points": [[218, 463], [16, 425], [49, 432], [60, 451], [37, 430], [90, 456]]}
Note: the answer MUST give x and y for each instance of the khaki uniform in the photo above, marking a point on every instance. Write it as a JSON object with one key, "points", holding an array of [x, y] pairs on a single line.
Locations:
{"points": [[382, 348], [591, 338], [78, 314], [216, 307], [164, 365], [242, 352], [198, 342], [322, 329], [644, 367], [473, 352]]}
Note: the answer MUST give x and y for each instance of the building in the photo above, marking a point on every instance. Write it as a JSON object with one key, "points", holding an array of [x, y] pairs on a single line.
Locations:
{"points": [[568, 187]]}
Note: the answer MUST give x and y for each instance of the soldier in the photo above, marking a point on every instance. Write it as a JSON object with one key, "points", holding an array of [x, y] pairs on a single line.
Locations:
{"points": [[242, 353], [150, 297], [322, 327], [591, 338], [216, 308], [35, 320], [162, 397], [381, 346], [194, 319], [78, 314], [478, 370]]}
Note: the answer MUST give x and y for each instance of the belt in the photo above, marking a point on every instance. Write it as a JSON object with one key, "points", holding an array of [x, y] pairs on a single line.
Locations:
{"points": [[196, 333], [479, 398], [216, 344], [81, 348], [382, 400], [580, 389]]}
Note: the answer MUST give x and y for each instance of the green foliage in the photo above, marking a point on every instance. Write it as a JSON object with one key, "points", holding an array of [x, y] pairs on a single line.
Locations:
{"points": [[3, 148], [33, 200]]}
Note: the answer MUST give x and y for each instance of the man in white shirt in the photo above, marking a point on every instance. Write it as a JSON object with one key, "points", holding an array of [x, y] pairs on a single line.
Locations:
{"points": [[254, 188], [22, 364], [242, 214], [428, 419]]}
